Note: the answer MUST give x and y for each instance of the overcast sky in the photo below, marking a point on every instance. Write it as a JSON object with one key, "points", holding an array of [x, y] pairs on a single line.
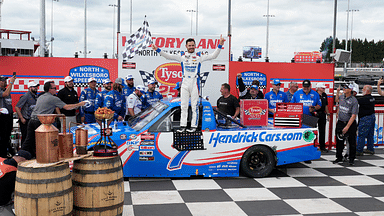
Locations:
{"points": [[298, 25]]}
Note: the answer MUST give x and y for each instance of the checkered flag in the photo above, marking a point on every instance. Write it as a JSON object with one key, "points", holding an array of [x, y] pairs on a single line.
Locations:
{"points": [[203, 77], [138, 41], [263, 111], [247, 112], [146, 76]]}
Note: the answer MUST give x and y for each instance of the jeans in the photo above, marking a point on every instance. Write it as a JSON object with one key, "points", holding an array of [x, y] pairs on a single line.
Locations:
{"points": [[366, 130]]}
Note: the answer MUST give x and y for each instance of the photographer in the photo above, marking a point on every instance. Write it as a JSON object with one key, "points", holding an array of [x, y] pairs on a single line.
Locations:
{"points": [[6, 115]]}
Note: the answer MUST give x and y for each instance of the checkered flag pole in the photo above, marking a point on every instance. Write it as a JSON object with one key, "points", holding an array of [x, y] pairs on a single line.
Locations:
{"points": [[138, 41], [146, 76], [203, 77]]}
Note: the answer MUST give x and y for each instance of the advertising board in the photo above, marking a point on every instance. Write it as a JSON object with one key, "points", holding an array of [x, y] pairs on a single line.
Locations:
{"points": [[252, 52]]}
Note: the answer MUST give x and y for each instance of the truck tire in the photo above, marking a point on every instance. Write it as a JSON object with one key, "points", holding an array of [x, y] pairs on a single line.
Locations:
{"points": [[258, 161]]}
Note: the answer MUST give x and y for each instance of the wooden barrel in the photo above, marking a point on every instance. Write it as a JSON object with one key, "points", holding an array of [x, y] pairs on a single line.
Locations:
{"points": [[43, 191], [98, 186]]}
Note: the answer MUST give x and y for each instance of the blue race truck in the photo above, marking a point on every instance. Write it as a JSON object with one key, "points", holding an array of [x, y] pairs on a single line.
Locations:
{"points": [[149, 145]]}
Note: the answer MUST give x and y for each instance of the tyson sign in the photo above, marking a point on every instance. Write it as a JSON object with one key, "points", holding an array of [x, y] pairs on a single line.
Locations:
{"points": [[169, 73]]}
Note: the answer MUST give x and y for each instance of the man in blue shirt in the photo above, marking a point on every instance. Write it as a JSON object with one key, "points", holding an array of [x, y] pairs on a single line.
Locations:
{"points": [[275, 96], [115, 101], [309, 98], [87, 114], [151, 96], [130, 88], [99, 102]]}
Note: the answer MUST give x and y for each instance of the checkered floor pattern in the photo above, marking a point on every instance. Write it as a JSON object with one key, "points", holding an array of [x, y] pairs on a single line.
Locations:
{"points": [[319, 188]]}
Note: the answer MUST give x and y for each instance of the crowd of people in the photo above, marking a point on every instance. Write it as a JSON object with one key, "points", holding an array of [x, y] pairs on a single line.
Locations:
{"points": [[315, 104], [125, 101]]}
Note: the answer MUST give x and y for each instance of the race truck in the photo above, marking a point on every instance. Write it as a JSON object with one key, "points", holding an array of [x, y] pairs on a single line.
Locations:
{"points": [[150, 146]]}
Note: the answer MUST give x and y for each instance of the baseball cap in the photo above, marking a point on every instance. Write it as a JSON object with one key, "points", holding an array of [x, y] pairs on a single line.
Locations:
{"points": [[355, 88], [49, 80], [91, 79], [320, 85], [141, 88], [68, 79], [306, 83], [276, 81], [106, 81], [3, 78], [129, 76], [348, 86], [255, 87], [119, 81], [178, 84], [152, 81], [33, 84]]}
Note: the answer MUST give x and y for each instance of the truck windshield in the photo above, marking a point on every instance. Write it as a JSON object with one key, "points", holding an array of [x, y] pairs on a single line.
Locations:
{"points": [[142, 119]]}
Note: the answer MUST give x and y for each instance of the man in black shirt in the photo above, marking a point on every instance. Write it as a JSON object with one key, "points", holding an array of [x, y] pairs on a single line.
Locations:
{"points": [[322, 114], [69, 96], [228, 103], [366, 122]]}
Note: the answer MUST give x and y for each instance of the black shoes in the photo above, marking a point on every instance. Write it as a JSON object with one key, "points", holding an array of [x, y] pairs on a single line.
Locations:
{"points": [[351, 163], [338, 161]]}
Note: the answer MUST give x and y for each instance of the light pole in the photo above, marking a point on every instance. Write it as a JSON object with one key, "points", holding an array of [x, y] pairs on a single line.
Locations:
{"points": [[350, 45], [114, 37], [52, 27], [85, 29], [197, 14], [130, 19], [191, 11], [1, 2], [346, 41], [42, 29], [266, 49]]}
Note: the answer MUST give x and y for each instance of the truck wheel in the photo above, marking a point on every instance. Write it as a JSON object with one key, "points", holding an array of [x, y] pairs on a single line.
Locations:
{"points": [[257, 162]]}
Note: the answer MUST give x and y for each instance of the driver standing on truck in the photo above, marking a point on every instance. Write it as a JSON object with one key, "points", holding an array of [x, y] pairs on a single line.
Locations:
{"points": [[190, 64]]}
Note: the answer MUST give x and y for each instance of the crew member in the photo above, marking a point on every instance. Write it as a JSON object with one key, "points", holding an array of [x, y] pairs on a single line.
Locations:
{"points": [[346, 125], [322, 114], [115, 100], [309, 98], [6, 117], [151, 96], [45, 104], [251, 93], [99, 101], [25, 107], [366, 128], [227, 103], [129, 88], [88, 113], [275, 96], [292, 89], [69, 96], [190, 64], [134, 101]]}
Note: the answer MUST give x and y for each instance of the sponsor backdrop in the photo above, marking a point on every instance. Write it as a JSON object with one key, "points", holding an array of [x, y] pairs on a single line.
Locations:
{"points": [[148, 64], [38, 69]]}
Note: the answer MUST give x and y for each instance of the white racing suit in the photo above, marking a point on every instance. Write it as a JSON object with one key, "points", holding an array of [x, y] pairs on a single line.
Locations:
{"points": [[190, 65]]}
